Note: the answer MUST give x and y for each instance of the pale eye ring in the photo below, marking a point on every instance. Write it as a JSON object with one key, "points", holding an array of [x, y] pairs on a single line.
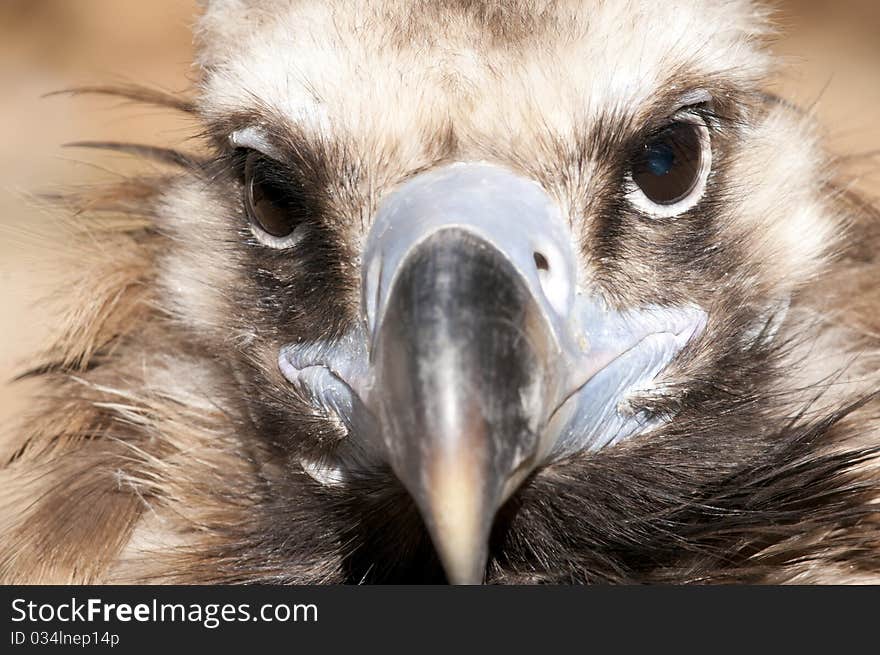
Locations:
{"points": [[668, 174]]}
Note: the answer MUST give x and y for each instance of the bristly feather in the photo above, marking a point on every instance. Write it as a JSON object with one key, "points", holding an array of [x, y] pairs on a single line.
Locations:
{"points": [[166, 446], [167, 156], [135, 93]]}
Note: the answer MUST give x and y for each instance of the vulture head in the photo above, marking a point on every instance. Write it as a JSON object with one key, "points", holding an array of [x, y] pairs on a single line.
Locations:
{"points": [[471, 291]]}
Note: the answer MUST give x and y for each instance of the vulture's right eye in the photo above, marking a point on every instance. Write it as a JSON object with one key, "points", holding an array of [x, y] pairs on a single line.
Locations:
{"points": [[275, 204]]}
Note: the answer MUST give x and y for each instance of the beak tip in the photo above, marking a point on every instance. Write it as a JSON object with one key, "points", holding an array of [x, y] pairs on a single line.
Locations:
{"points": [[459, 513], [464, 561], [465, 577]]}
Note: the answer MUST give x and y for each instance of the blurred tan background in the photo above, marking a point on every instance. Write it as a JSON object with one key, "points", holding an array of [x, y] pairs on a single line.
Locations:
{"points": [[831, 49]]}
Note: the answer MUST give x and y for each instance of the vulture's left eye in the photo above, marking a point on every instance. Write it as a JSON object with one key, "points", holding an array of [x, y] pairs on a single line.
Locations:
{"points": [[276, 206], [668, 172]]}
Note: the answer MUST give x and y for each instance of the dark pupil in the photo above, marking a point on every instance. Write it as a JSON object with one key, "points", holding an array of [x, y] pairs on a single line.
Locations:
{"points": [[272, 200], [668, 167]]}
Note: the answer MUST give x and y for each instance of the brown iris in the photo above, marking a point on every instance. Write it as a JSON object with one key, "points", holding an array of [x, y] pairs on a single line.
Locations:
{"points": [[273, 202], [669, 165]]}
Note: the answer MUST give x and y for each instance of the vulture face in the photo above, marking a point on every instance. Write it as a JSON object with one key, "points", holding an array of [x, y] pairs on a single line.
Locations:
{"points": [[503, 292]]}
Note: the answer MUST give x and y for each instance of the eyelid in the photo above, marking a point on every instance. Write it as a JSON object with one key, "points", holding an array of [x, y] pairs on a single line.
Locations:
{"points": [[694, 104], [254, 138], [697, 114], [694, 97], [701, 112]]}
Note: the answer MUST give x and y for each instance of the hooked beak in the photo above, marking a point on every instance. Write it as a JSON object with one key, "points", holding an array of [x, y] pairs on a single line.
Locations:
{"points": [[464, 360], [464, 356]]}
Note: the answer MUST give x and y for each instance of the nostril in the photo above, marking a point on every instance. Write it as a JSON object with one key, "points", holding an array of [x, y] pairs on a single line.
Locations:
{"points": [[541, 262], [554, 281]]}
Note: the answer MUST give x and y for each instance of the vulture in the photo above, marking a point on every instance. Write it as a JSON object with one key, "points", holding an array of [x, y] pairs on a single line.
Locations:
{"points": [[465, 291]]}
